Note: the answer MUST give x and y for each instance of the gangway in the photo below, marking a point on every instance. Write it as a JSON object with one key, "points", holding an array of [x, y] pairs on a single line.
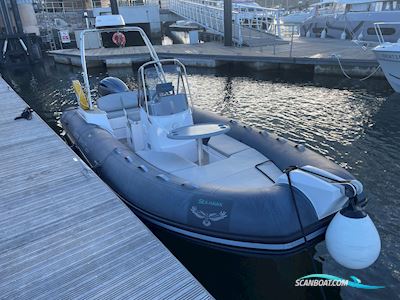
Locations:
{"points": [[251, 25]]}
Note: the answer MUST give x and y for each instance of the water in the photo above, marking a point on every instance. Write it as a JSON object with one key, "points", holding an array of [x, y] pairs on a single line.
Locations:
{"points": [[353, 123]]}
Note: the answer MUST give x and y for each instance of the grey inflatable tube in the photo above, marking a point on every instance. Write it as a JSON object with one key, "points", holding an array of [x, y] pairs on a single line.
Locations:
{"points": [[262, 219]]}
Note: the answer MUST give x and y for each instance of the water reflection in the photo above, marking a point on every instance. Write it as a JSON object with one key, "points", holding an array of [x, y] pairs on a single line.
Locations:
{"points": [[234, 276]]}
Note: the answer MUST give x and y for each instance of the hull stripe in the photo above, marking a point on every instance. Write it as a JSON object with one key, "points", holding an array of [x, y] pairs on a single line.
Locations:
{"points": [[239, 244]]}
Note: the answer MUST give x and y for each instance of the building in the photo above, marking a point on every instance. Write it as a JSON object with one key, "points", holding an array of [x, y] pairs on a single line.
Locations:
{"points": [[19, 33]]}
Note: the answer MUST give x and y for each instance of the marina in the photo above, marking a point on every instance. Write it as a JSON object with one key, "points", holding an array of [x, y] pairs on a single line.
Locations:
{"points": [[234, 187], [357, 123], [64, 233], [199, 149]]}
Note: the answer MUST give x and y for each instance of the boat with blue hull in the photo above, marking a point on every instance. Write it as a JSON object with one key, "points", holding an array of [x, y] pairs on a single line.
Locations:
{"points": [[209, 178]]}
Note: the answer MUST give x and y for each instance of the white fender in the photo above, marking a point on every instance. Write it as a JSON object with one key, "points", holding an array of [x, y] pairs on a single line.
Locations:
{"points": [[323, 34], [353, 242]]}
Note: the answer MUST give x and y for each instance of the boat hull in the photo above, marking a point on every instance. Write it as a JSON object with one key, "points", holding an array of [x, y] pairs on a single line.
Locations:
{"points": [[229, 245], [388, 56], [357, 26], [259, 220]]}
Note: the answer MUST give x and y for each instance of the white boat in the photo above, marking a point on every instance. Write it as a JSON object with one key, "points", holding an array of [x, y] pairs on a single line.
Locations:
{"points": [[296, 18], [388, 56], [299, 17], [185, 32], [353, 19], [184, 25]]}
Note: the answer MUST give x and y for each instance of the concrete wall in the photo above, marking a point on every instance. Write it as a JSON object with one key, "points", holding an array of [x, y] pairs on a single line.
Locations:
{"points": [[69, 20], [28, 17], [138, 14]]}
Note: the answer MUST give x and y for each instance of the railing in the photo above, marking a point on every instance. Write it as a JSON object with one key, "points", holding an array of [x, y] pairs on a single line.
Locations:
{"points": [[378, 30], [106, 3], [260, 18], [56, 6], [210, 15]]}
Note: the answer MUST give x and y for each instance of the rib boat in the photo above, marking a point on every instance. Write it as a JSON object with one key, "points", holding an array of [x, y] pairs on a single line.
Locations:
{"points": [[205, 177]]}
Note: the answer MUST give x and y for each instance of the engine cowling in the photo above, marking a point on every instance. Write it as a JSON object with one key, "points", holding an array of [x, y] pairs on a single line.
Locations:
{"points": [[112, 85]]}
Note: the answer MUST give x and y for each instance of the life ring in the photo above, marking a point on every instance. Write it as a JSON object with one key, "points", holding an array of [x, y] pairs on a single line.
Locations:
{"points": [[119, 39]]}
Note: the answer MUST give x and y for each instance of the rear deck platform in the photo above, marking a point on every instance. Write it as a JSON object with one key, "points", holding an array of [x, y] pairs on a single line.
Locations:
{"points": [[64, 234]]}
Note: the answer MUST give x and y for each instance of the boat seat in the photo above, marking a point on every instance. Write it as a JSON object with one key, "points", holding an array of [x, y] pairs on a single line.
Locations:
{"points": [[119, 108], [166, 161], [226, 145], [120, 104], [270, 169], [168, 105], [232, 171]]}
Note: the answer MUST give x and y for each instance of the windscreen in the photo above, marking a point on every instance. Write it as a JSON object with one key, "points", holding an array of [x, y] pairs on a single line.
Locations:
{"points": [[164, 88]]}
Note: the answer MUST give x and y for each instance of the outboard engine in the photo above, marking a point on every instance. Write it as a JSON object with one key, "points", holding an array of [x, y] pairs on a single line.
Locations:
{"points": [[112, 85]]}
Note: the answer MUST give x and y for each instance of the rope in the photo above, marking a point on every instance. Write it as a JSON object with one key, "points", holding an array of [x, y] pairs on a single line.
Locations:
{"points": [[353, 199], [347, 75], [287, 171], [340, 65], [376, 70]]}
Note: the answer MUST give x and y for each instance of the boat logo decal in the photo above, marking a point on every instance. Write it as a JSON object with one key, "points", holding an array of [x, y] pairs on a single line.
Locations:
{"points": [[208, 217], [209, 202]]}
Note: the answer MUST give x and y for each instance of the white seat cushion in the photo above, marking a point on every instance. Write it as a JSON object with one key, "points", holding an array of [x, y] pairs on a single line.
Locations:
{"points": [[221, 170], [249, 179], [120, 107], [166, 161], [226, 145], [270, 170]]}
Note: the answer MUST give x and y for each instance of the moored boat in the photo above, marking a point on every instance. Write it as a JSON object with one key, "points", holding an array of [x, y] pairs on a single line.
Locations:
{"points": [[388, 56], [212, 179], [352, 20]]}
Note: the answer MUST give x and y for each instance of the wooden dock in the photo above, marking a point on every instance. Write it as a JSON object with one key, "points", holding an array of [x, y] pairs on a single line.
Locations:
{"points": [[64, 234], [321, 54]]}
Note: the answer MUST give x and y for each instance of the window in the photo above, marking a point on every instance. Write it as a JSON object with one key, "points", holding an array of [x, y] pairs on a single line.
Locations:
{"points": [[376, 6], [385, 31], [340, 8], [359, 7], [326, 8], [387, 5]]}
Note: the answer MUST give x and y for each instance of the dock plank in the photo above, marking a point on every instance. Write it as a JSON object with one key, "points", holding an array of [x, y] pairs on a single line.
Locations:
{"points": [[64, 234]]}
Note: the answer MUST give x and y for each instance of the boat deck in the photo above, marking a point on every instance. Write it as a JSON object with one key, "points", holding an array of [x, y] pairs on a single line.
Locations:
{"points": [[64, 234]]}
